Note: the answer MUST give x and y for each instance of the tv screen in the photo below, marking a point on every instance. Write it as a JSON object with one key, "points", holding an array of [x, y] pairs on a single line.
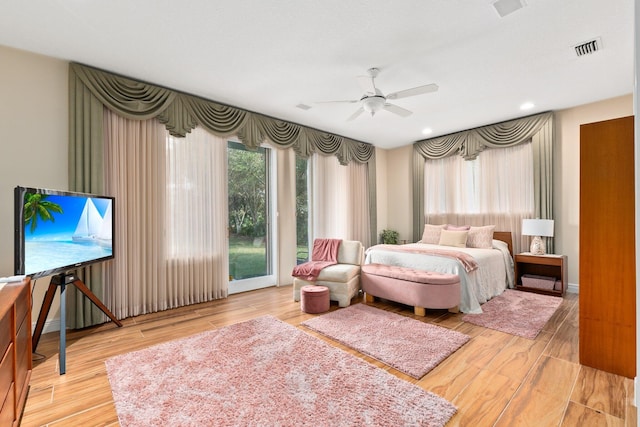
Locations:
{"points": [[59, 231]]}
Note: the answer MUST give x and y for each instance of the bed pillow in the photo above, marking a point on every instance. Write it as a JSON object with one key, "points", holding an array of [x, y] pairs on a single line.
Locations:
{"points": [[481, 237], [457, 227], [431, 233], [457, 239]]}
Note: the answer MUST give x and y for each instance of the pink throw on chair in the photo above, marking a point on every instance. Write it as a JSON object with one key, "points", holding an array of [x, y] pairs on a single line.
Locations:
{"points": [[324, 254]]}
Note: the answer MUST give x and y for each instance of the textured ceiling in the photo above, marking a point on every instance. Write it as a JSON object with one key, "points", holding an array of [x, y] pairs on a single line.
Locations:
{"points": [[270, 55]]}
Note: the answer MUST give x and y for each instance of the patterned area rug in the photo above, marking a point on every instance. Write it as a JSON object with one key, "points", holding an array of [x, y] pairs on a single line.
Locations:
{"points": [[517, 313], [263, 372], [406, 344]]}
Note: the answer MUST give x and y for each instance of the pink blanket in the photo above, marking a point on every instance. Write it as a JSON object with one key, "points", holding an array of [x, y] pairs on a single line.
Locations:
{"points": [[324, 254], [468, 262]]}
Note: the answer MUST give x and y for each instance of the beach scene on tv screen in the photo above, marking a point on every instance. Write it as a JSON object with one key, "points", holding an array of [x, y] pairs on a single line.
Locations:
{"points": [[63, 230]]}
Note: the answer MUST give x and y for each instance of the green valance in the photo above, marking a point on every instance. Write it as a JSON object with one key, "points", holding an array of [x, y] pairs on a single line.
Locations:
{"points": [[470, 143], [128, 98], [180, 113]]}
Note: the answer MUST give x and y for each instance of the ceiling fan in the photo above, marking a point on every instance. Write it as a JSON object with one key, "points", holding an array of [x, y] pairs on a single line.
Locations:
{"points": [[373, 100]]}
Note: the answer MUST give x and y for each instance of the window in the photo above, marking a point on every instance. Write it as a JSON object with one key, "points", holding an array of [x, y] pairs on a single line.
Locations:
{"points": [[251, 245], [497, 181]]}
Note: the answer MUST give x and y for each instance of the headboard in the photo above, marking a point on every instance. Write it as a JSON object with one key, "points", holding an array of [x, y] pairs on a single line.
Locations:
{"points": [[505, 236]]}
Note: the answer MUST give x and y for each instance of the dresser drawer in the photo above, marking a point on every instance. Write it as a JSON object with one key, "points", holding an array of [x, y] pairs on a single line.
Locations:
{"points": [[22, 304], [23, 357], [6, 327], [6, 373], [8, 412]]}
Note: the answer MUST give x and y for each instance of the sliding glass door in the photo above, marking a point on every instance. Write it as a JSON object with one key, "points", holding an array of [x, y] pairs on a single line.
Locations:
{"points": [[250, 211]]}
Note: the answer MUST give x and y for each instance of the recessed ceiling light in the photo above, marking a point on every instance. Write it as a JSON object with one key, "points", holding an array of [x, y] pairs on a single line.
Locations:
{"points": [[527, 106], [427, 131]]}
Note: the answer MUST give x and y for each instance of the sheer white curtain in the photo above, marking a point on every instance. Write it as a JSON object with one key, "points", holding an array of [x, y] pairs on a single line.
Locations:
{"points": [[340, 200], [170, 215], [197, 218], [494, 189]]}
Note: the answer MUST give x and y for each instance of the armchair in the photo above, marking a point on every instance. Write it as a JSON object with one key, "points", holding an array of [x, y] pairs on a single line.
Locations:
{"points": [[342, 279]]}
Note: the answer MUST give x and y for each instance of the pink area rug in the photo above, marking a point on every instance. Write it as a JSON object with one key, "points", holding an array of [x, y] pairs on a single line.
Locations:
{"points": [[517, 313], [406, 344], [263, 372]]}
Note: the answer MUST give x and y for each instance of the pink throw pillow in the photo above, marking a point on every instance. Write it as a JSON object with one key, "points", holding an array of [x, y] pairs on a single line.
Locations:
{"points": [[481, 237], [458, 227], [431, 233]]}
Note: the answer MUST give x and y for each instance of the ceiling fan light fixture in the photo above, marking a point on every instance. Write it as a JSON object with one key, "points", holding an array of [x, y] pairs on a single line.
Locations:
{"points": [[374, 100], [373, 104]]}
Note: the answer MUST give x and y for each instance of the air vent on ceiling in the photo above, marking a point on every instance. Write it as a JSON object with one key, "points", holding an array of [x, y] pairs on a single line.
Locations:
{"points": [[589, 47]]}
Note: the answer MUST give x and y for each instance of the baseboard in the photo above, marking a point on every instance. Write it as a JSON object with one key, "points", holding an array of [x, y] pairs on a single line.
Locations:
{"points": [[49, 326], [573, 288]]}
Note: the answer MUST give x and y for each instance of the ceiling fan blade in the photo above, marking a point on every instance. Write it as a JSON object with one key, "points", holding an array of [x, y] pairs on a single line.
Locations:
{"points": [[413, 92], [356, 114], [397, 110], [367, 84]]}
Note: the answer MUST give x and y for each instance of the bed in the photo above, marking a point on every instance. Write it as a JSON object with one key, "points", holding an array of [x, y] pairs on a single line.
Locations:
{"points": [[493, 272]]}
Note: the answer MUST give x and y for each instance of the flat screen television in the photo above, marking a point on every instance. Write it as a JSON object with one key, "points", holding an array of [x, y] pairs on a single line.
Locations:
{"points": [[60, 231]]}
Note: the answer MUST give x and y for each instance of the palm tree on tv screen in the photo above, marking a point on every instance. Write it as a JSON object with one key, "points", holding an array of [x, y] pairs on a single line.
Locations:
{"points": [[36, 206]]}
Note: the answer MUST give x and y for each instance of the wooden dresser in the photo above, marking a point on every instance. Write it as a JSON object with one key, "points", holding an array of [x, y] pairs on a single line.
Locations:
{"points": [[15, 350]]}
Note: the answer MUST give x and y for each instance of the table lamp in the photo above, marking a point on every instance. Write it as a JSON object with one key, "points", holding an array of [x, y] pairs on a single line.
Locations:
{"points": [[537, 228]]}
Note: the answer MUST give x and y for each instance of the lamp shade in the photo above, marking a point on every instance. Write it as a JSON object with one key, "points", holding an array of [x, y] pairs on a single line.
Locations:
{"points": [[537, 227]]}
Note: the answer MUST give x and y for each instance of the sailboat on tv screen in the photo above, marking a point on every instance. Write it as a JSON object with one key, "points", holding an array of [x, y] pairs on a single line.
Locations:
{"points": [[105, 239], [89, 225]]}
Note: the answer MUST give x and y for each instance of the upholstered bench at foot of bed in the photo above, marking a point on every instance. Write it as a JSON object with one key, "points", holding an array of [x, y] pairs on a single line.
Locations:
{"points": [[418, 288]]}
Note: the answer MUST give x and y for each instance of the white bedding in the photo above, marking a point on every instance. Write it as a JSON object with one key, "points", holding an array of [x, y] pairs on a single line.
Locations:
{"points": [[493, 275]]}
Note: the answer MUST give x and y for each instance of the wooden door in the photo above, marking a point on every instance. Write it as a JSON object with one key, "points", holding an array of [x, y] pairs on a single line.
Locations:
{"points": [[607, 247]]}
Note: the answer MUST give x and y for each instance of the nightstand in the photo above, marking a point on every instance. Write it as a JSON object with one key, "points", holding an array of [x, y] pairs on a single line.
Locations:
{"points": [[549, 265]]}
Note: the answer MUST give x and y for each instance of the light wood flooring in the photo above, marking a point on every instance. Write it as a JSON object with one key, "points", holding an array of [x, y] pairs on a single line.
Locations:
{"points": [[495, 379]]}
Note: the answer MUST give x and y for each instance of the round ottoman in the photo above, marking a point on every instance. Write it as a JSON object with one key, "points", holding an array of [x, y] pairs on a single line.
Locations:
{"points": [[314, 299]]}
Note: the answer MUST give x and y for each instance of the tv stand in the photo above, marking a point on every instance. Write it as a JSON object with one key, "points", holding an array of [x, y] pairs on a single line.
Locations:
{"points": [[62, 280]]}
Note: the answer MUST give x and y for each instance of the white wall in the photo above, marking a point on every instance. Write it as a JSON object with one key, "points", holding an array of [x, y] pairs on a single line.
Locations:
{"points": [[400, 200], [33, 143], [381, 192], [566, 176]]}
